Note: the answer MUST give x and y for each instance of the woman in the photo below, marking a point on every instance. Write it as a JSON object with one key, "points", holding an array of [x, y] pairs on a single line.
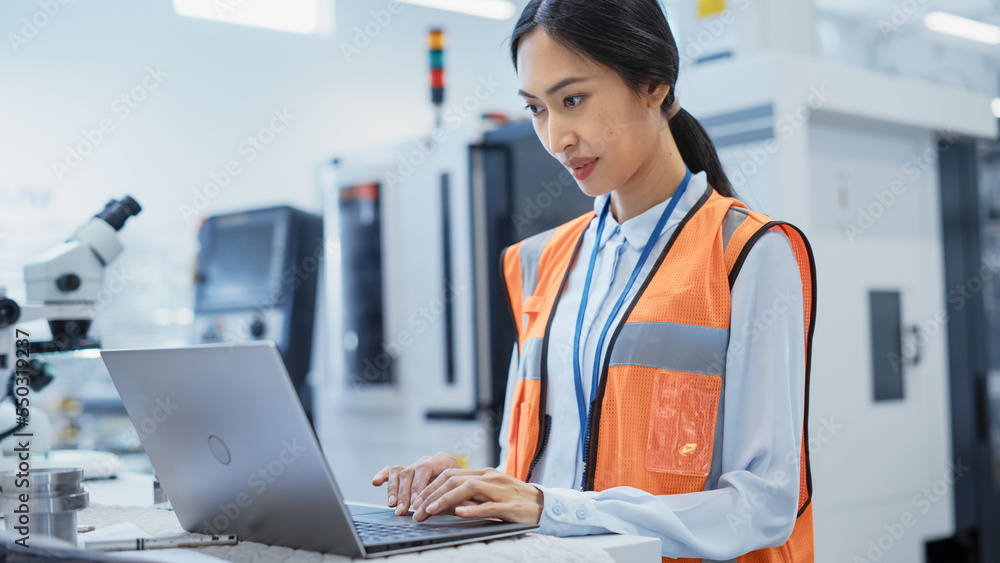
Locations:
{"points": [[659, 382]]}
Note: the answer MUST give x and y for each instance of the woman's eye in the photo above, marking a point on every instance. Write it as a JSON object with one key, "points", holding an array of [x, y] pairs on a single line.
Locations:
{"points": [[576, 101], [532, 108]]}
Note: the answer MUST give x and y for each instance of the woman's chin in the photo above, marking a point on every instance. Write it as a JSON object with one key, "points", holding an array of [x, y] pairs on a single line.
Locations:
{"points": [[592, 189]]}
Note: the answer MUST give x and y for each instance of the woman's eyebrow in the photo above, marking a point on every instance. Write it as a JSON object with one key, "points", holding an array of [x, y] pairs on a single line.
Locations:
{"points": [[555, 88]]}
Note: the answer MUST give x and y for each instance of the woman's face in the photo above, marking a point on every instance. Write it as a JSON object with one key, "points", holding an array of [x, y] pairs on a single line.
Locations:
{"points": [[585, 115]]}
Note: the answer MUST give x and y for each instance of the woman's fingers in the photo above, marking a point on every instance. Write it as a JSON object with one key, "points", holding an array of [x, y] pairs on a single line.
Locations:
{"points": [[381, 477], [443, 478], [421, 477], [405, 491], [458, 488], [405, 484], [492, 494], [393, 488], [499, 510], [466, 488]]}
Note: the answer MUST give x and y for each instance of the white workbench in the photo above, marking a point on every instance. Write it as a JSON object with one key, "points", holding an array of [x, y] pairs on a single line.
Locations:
{"points": [[129, 498]]}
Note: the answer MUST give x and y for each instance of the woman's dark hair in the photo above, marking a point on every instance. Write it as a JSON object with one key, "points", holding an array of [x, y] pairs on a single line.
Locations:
{"points": [[632, 38]]}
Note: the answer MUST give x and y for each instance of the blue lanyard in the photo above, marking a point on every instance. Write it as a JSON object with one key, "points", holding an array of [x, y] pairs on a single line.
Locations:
{"points": [[577, 372]]}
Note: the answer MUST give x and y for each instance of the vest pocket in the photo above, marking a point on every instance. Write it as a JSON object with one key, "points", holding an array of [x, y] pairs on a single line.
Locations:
{"points": [[523, 428], [682, 419]]}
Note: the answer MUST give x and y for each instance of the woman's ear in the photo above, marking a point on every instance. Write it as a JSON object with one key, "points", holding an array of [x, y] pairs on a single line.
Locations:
{"points": [[656, 93]]}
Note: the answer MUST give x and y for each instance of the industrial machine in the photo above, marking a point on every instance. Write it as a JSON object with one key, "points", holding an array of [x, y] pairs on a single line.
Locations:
{"points": [[425, 339], [256, 279], [970, 216], [852, 157], [517, 190]]}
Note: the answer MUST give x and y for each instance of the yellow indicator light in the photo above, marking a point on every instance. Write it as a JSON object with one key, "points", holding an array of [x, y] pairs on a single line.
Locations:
{"points": [[708, 8], [436, 39]]}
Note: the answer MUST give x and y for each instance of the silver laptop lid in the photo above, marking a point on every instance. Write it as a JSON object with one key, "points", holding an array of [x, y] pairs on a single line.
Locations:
{"points": [[231, 444]]}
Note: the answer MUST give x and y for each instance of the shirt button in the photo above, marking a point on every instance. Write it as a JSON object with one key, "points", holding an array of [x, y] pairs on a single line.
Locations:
{"points": [[581, 514], [557, 509]]}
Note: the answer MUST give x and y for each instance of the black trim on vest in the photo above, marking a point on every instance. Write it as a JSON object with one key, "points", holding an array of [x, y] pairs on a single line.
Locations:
{"points": [[506, 293], [738, 264], [593, 427], [809, 337], [544, 420]]}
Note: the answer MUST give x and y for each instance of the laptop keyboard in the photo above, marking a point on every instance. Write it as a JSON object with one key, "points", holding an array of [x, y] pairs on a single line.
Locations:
{"points": [[372, 532]]}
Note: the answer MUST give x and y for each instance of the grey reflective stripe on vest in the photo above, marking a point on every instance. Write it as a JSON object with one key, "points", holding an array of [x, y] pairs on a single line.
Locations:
{"points": [[672, 346], [732, 221], [530, 362], [531, 253]]}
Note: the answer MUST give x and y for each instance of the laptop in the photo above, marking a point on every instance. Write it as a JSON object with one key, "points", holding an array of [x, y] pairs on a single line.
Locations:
{"points": [[235, 454]]}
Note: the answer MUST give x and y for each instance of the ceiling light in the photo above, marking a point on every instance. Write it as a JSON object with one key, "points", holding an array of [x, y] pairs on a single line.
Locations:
{"points": [[962, 27], [494, 9], [296, 16]]}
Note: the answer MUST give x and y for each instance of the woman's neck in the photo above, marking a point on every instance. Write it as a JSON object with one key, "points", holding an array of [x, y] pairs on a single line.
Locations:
{"points": [[652, 184]]}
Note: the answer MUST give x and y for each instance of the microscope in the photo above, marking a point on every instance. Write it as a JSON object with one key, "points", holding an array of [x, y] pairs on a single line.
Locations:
{"points": [[63, 286]]}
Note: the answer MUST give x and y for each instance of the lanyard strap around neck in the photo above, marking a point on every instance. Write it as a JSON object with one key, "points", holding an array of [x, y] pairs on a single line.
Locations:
{"points": [[647, 249]]}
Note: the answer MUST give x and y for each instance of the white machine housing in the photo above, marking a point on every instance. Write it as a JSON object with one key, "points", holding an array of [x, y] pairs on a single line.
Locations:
{"points": [[817, 144], [365, 428]]}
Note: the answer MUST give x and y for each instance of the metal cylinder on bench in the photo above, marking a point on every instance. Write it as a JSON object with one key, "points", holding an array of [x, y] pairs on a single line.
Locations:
{"points": [[45, 500]]}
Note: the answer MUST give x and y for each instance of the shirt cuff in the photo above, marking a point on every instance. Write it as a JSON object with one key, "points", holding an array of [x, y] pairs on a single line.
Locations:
{"points": [[568, 512]]}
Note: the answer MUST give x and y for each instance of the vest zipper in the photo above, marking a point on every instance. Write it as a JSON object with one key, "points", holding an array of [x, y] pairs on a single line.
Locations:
{"points": [[594, 422], [544, 440], [545, 421], [586, 447]]}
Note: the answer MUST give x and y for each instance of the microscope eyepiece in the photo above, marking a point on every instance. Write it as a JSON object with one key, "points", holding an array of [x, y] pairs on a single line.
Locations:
{"points": [[116, 212]]}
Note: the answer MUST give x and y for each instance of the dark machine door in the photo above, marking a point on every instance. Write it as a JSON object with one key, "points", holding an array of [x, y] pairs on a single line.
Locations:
{"points": [[970, 201]]}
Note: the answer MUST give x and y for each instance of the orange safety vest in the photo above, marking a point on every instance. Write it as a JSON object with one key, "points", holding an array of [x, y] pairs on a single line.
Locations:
{"points": [[656, 422]]}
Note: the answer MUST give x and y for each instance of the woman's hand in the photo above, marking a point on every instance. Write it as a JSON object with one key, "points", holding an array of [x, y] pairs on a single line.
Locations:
{"points": [[405, 483], [480, 493]]}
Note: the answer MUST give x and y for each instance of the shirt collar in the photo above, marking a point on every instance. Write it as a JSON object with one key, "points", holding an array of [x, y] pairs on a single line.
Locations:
{"points": [[638, 229]]}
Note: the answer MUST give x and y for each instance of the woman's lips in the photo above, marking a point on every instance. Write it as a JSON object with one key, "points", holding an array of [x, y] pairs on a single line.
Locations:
{"points": [[581, 172]]}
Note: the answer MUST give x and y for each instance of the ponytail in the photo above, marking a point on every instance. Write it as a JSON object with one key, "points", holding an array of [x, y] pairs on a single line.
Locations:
{"points": [[698, 151]]}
